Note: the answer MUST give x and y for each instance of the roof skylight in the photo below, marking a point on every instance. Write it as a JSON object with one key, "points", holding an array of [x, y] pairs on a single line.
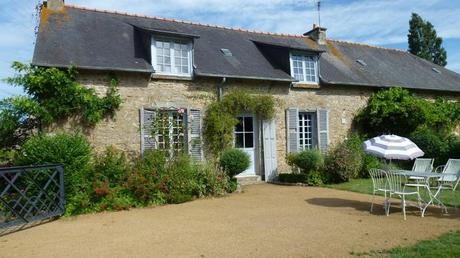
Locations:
{"points": [[226, 52], [436, 70], [361, 62]]}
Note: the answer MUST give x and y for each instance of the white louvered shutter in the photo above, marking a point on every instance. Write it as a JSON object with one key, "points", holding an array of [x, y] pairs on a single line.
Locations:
{"points": [[292, 129], [323, 129], [147, 141], [194, 122]]}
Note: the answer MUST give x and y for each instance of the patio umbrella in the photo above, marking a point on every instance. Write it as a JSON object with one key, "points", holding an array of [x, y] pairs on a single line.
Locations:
{"points": [[392, 147]]}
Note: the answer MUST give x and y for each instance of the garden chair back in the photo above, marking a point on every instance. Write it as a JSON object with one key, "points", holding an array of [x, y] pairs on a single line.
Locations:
{"points": [[379, 184], [379, 180], [397, 183], [423, 165], [452, 167]]}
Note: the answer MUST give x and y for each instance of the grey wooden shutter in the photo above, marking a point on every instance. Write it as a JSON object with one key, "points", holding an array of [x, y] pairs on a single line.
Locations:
{"points": [[292, 129], [323, 129], [194, 134], [147, 140]]}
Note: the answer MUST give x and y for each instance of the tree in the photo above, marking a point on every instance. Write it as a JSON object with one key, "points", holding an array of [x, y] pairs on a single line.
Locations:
{"points": [[424, 42]]}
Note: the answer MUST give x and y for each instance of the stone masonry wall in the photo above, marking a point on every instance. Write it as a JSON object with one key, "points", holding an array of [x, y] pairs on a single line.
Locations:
{"points": [[137, 90]]}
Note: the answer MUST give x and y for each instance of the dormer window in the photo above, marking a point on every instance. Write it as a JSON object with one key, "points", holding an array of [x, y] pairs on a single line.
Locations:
{"points": [[304, 68], [172, 56]]}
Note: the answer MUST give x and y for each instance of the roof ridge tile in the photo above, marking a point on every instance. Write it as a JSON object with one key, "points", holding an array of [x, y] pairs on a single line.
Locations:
{"points": [[184, 22], [367, 45]]}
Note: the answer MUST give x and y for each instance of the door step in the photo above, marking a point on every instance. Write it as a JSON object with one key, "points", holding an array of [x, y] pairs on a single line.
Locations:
{"points": [[249, 180]]}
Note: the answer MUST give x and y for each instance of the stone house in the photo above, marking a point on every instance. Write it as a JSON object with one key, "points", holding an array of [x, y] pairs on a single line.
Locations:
{"points": [[175, 68]]}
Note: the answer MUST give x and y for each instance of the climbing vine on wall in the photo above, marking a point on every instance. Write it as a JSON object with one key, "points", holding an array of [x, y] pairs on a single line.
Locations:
{"points": [[52, 95], [221, 118]]}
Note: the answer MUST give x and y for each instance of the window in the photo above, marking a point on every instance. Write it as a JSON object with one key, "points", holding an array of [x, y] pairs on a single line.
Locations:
{"points": [[307, 130], [304, 68], [172, 56], [244, 132], [169, 130]]}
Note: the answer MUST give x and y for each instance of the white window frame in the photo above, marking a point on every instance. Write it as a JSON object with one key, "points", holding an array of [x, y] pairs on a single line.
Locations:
{"points": [[315, 59], [171, 123], [170, 40], [301, 133]]}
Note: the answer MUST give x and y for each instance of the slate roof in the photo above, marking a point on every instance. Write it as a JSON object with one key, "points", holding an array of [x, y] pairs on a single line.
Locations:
{"points": [[382, 67], [94, 39]]}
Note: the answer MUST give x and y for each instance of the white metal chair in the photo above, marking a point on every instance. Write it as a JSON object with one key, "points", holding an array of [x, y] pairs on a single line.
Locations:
{"points": [[422, 166], [396, 183], [380, 184], [450, 181]]}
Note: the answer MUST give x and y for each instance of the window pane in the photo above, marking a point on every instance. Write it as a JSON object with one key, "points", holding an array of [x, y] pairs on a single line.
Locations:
{"points": [[239, 126], [239, 142], [249, 140], [248, 126]]}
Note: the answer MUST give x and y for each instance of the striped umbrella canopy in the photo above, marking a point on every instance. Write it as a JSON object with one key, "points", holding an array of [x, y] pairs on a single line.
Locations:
{"points": [[392, 147]]}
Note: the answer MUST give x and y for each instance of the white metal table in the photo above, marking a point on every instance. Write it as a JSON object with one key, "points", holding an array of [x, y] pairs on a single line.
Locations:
{"points": [[427, 176]]}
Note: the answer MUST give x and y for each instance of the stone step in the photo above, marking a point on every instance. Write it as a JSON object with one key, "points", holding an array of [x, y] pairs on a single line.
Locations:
{"points": [[249, 180]]}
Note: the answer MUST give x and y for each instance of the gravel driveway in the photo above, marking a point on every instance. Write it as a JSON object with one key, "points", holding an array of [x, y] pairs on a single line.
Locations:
{"points": [[263, 221]]}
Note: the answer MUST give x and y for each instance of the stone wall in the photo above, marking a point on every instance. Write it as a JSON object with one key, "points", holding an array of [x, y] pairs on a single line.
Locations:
{"points": [[138, 90]]}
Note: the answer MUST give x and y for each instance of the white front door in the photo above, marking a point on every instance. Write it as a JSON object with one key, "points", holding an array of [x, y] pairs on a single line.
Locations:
{"points": [[245, 140], [270, 157]]}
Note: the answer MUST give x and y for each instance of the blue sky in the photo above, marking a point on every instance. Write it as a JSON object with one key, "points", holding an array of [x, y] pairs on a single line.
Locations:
{"points": [[376, 22]]}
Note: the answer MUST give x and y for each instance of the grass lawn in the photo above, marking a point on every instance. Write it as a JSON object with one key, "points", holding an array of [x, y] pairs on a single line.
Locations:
{"points": [[448, 245], [365, 186]]}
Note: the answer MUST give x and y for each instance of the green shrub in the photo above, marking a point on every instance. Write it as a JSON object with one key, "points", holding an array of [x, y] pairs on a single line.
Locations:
{"points": [[143, 181], [343, 163], [393, 110], [234, 161], [368, 163], [211, 181], [7, 157], [179, 181], [292, 178], [71, 150], [232, 185], [307, 161], [111, 166], [432, 143], [313, 178]]}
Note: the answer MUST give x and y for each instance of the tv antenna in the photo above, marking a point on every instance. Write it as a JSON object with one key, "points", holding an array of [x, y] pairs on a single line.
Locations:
{"points": [[318, 6]]}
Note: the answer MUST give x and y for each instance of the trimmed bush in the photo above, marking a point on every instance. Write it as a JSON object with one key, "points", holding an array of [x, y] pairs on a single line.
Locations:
{"points": [[307, 161], [313, 178], [292, 178], [234, 161]]}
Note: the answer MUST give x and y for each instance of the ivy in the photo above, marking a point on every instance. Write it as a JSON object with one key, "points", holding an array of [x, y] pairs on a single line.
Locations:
{"points": [[221, 118], [52, 95]]}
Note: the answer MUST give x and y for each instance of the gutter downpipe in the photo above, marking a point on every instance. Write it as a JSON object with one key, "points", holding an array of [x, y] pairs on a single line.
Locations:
{"points": [[220, 88]]}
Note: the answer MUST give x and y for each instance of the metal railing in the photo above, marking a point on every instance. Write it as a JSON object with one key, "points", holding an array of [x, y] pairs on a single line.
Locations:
{"points": [[30, 195]]}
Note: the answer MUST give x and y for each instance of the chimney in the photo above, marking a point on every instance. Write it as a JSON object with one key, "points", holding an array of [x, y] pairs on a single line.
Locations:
{"points": [[54, 5], [318, 34]]}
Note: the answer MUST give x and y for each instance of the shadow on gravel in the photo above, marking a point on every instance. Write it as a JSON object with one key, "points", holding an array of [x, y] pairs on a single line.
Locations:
{"points": [[432, 211]]}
